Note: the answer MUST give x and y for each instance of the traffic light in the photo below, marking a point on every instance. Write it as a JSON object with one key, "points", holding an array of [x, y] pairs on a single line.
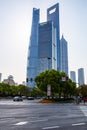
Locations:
{"points": [[26, 79], [67, 78], [31, 79]]}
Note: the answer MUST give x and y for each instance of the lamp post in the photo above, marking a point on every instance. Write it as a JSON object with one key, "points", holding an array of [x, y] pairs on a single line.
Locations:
{"points": [[48, 86]]}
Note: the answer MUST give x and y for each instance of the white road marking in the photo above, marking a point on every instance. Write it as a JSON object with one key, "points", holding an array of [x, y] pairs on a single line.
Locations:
{"points": [[21, 123], [78, 124], [84, 109], [25, 122], [52, 127]]}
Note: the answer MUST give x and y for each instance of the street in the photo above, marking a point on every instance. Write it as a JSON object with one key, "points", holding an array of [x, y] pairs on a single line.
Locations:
{"points": [[32, 115]]}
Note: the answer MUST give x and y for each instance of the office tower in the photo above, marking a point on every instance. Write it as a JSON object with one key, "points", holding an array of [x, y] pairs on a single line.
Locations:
{"points": [[81, 76], [73, 76], [63, 56], [47, 56], [53, 15], [32, 60], [44, 47]]}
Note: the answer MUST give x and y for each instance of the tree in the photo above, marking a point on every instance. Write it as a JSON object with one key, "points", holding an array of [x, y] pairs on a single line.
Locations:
{"points": [[58, 86], [10, 90], [23, 90], [51, 77], [82, 90]]}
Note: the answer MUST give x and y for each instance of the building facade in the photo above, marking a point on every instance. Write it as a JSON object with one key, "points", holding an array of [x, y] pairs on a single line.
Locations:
{"points": [[44, 46], [73, 76], [81, 80], [32, 60], [53, 15], [63, 55], [9, 80], [47, 55]]}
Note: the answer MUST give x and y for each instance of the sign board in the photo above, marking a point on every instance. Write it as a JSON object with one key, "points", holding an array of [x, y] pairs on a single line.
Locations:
{"points": [[48, 90], [63, 79]]}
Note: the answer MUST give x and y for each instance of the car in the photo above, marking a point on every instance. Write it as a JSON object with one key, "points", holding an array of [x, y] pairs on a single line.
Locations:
{"points": [[17, 98], [30, 98]]}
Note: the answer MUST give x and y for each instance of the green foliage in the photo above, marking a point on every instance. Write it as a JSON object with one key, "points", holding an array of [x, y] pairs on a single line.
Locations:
{"points": [[82, 90], [7, 90], [58, 87], [50, 77], [23, 90], [36, 92]]}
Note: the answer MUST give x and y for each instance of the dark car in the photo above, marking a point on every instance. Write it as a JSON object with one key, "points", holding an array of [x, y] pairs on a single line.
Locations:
{"points": [[30, 98], [17, 98]]}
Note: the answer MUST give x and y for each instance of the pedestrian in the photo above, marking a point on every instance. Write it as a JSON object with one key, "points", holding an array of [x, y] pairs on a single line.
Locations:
{"points": [[84, 100]]}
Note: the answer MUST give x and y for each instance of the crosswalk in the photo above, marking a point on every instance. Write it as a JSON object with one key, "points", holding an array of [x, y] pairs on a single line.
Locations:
{"points": [[84, 109]]}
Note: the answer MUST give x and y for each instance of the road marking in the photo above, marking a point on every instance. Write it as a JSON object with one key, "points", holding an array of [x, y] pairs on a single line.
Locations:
{"points": [[52, 127], [25, 122], [84, 109], [78, 124], [21, 123]]}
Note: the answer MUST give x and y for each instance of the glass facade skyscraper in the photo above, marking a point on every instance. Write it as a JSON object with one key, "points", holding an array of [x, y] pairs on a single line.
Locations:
{"points": [[44, 47], [73, 76], [63, 56], [32, 60], [53, 15], [81, 76], [47, 56]]}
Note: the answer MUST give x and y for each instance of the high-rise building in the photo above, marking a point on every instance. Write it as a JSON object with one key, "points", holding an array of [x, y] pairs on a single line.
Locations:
{"points": [[53, 15], [32, 60], [47, 56], [63, 55], [9, 80], [73, 76], [81, 76], [44, 47]]}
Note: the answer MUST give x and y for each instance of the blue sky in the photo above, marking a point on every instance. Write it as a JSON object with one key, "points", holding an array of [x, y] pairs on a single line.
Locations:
{"points": [[15, 27]]}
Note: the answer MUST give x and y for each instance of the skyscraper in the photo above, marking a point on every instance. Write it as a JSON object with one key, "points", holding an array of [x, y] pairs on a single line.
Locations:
{"points": [[73, 76], [53, 15], [63, 56], [47, 56], [44, 47], [32, 60], [81, 76]]}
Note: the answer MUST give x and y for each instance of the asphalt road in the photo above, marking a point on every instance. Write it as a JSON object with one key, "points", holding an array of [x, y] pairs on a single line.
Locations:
{"points": [[31, 115]]}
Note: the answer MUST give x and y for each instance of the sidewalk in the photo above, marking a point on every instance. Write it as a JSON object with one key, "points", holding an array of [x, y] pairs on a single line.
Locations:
{"points": [[82, 104]]}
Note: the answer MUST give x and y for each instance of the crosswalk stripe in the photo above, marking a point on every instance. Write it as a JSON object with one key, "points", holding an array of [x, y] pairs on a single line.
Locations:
{"points": [[51, 127], [84, 109], [78, 124]]}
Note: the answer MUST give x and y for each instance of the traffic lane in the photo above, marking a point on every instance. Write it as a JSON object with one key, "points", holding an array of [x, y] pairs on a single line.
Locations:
{"points": [[28, 126], [26, 123], [76, 127], [9, 108], [34, 115], [40, 111]]}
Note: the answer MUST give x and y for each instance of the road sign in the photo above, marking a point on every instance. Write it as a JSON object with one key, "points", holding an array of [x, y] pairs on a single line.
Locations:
{"points": [[48, 90]]}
